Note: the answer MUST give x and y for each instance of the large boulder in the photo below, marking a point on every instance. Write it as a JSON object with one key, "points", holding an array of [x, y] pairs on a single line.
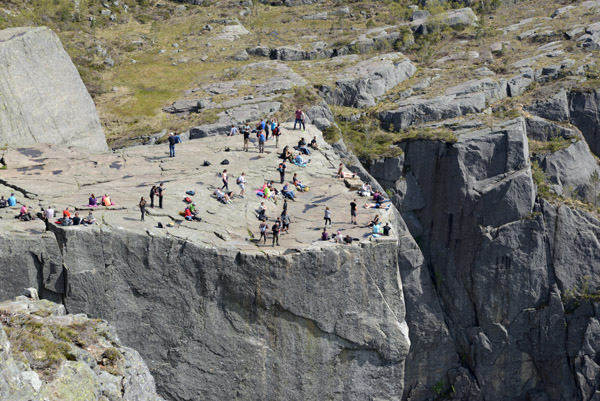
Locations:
{"points": [[361, 84], [42, 97], [584, 110]]}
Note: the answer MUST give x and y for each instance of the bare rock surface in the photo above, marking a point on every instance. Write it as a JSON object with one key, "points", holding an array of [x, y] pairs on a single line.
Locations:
{"points": [[212, 311], [42, 97], [47, 354]]}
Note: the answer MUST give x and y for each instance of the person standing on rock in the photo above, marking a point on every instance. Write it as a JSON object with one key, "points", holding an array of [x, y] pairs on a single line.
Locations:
{"points": [[160, 192], [299, 119], [143, 207], [173, 140], [233, 130], [262, 228], [276, 228], [241, 181], [277, 134], [285, 220], [261, 141], [225, 180], [281, 170], [246, 137], [353, 211], [152, 193], [327, 216]]}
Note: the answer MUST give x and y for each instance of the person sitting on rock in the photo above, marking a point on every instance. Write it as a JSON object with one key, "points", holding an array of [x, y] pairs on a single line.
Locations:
{"points": [[342, 174], [106, 200], [313, 144], [12, 200], [286, 154], [339, 238], [66, 213], [262, 212], [365, 190], [386, 229], [92, 201], [299, 161], [2, 202], [348, 239], [288, 193], [302, 146], [378, 197], [76, 219], [24, 214], [324, 235], [89, 219], [297, 183], [373, 222], [222, 196]]}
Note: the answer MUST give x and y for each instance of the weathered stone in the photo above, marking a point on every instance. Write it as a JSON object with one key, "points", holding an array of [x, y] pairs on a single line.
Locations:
{"points": [[555, 109], [48, 102], [540, 129], [584, 111], [368, 80]]}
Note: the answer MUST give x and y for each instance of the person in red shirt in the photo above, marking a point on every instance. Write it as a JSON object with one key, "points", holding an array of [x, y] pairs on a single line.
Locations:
{"points": [[66, 213]]}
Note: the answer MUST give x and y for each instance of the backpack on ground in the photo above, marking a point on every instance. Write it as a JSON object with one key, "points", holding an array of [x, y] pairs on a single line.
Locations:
{"points": [[225, 162], [190, 192], [187, 199], [206, 163]]}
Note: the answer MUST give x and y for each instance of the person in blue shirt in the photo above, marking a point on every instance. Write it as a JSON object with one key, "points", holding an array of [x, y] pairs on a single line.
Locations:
{"points": [[12, 200], [173, 140]]}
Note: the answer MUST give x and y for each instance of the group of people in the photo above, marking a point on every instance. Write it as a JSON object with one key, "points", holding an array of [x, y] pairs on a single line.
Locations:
{"points": [[104, 201], [11, 201]]}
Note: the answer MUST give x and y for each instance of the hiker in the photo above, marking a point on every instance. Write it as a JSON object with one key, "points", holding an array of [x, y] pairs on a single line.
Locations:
{"points": [[386, 229], [261, 141], [262, 228], [277, 134], [262, 212], [225, 180], [89, 219], [299, 161], [2, 202], [342, 174], [92, 201], [302, 146], [234, 131], [246, 138], [287, 193], [348, 239], [267, 128], [66, 221], [48, 215], [339, 238], [285, 221], [193, 210], [160, 192], [313, 144], [76, 219], [276, 227], [300, 117], [273, 127], [281, 170], [143, 207], [353, 211], [173, 140], [241, 181], [327, 216], [377, 206], [325, 235], [66, 213], [285, 206], [297, 183], [152, 193], [12, 200]]}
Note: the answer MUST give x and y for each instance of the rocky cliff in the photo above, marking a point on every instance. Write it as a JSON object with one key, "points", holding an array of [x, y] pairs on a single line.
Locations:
{"points": [[46, 354], [42, 97]]}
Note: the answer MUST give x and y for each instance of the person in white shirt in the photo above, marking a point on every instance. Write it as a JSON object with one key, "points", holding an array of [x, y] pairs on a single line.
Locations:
{"points": [[241, 181]]}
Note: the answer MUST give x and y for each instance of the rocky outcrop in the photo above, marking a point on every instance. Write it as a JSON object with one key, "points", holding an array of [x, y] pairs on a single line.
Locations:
{"points": [[46, 354], [497, 264], [368, 80], [42, 97], [584, 113]]}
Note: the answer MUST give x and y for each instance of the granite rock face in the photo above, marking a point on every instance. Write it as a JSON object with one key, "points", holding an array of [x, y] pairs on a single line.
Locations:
{"points": [[499, 267], [42, 97], [368, 80], [73, 357]]}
